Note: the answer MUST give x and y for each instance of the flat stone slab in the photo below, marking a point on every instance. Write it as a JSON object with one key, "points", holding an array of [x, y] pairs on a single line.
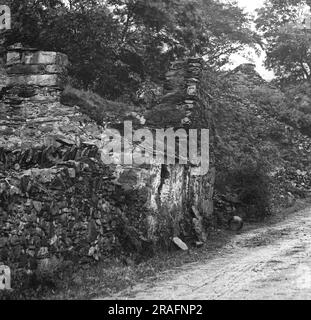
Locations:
{"points": [[35, 69], [38, 57], [43, 80], [13, 57], [45, 57]]}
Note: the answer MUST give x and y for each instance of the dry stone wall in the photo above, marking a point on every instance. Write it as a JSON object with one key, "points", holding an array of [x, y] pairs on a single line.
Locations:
{"points": [[59, 201]]}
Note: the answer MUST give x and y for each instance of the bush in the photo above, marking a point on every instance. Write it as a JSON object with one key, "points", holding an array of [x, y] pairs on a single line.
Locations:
{"points": [[244, 191], [251, 182], [265, 95], [94, 106]]}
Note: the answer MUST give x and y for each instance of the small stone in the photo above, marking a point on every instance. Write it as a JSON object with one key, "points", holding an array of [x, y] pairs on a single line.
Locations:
{"points": [[5, 278], [37, 205], [180, 244], [192, 90], [30, 252], [199, 244], [13, 57], [236, 223], [43, 251], [72, 172], [185, 120], [91, 251], [53, 240]]}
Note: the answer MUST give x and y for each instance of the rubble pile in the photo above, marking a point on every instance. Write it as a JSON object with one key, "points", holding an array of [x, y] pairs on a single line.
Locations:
{"points": [[66, 212]]}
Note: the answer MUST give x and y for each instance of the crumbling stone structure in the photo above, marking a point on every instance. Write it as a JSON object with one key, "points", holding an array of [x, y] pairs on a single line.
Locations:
{"points": [[174, 188], [58, 201], [30, 108]]}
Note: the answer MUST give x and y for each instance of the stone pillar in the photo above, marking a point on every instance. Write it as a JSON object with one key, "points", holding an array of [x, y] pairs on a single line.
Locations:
{"points": [[31, 98], [184, 77], [181, 96], [173, 190]]}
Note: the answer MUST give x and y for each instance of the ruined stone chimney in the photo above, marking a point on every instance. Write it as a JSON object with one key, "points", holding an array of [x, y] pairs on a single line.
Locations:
{"points": [[181, 95], [31, 95]]}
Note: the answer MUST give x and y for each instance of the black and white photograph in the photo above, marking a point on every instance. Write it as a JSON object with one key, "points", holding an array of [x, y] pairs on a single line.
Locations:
{"points": [[155, 150]]}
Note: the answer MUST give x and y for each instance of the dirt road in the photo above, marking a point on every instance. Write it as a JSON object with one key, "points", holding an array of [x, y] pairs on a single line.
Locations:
{"points": [[267, 263]]}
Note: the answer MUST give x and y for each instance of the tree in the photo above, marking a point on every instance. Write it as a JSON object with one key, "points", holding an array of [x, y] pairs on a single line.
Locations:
{"points": [[117, 45], [287, 42], [206, 27]]}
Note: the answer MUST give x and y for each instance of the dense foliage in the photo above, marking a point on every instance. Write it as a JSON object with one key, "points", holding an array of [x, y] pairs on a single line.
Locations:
{"points": [[286, 29], [115, 46]]}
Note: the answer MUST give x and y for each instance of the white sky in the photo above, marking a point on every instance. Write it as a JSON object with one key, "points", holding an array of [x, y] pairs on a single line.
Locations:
{"points": [[250, 6]]}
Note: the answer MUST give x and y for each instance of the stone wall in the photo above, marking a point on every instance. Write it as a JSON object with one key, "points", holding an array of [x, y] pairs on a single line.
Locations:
{"points": [[173, 190], [50, 171], [181, 96], [58, 201], [30, 109]]}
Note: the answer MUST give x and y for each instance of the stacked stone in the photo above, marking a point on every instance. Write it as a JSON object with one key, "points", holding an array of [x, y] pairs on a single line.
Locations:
{"points": [[175, 77], [193, 76], [50, 170], [30, 103], [184, 77], [45, 156], [181, 95], [66, 212]]}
